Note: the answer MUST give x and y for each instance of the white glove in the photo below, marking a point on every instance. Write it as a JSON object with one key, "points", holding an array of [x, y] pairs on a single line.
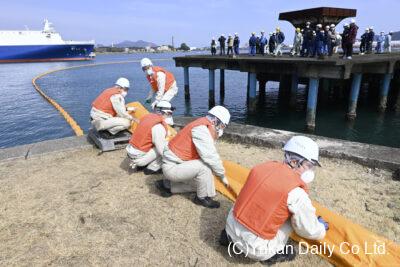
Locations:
{"points": [[225, 181], [130, 108], [153, 105]]}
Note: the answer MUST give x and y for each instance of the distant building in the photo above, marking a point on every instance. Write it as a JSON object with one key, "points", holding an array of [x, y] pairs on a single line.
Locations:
{"points": [[193, 48], [163, 48]]}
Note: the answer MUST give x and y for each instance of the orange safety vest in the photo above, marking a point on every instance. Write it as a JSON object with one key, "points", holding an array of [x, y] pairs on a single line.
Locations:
{"points": [[262, 203], [169, 80], [182, 144], [142, 138], [103, 102]]}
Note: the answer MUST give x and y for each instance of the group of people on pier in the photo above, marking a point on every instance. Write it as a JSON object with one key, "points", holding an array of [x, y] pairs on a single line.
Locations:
{"points": [[311, 41], [273, 202]]}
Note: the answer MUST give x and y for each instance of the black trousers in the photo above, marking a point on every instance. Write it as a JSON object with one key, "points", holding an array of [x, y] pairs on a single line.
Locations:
{"points": [[348, 50], [222, 50], [230, 48]]}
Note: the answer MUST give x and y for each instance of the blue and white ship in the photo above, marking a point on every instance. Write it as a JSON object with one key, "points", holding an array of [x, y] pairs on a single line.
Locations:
{"points": [[45, 45]]}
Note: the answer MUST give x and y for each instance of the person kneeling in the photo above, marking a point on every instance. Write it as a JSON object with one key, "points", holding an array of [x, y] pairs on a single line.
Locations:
{"points": [[149, 139], [190, 159], [273, 202], [109, 114]]}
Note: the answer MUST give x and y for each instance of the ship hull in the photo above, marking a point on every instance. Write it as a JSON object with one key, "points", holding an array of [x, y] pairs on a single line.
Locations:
{"points": [[44, 53]]}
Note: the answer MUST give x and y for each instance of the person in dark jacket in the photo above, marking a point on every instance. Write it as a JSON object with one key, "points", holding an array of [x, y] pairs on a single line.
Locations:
{"points": [[319, 42], [221, 41], [272, 42], [370, 40], [280, 38], [213, 47], [312, 47], [352, 39], [345, 37], [236, 42], [364, 40], [257, 45], [327, 40], [307, 37], [252, 44], [263, 43]]}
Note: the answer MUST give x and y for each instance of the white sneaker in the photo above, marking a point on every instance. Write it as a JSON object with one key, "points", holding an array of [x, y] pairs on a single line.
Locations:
{"points": [[349, 58], [361, 53]]}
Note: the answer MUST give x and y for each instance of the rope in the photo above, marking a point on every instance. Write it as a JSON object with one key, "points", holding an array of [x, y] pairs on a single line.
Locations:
{"points": [[74, 125]]}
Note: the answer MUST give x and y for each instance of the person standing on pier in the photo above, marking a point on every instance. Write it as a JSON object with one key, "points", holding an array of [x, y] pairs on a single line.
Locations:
{"points": [[313, 45], [271, 42], [388, 42], [319, 42], [273, 203], [345, 37], [213, 47], [162, 82], [221, 41], [351, 39], [364, 40], [380, 42], [191, 159], [333, 40], [370, 40], [307, 36], [327, 40], [147, 143], [297, 42], [109, 114], [263, 43], [252, 44], [229, 42], [280, 38], [236, 42]]}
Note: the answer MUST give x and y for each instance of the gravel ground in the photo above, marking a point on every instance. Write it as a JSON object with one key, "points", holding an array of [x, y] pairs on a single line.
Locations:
{"points": [[79, 208]]}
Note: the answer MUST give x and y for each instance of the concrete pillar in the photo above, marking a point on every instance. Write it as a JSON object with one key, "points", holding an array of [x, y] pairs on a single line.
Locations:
{"points": [[354, 92], [312, 103], [186, 82], [211, 88], [248, 87], [261, 89], [252, 92], [222, 84], [384, 91], [293, 89]]}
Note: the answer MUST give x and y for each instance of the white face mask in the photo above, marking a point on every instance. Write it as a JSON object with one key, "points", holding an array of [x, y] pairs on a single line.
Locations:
{"points": [[124, 93], [220, 132], [149, 71], [169, 121], [307, 176]]}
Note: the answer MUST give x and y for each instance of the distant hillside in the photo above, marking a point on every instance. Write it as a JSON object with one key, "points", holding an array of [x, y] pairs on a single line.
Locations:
{"points": [[139, 43]]}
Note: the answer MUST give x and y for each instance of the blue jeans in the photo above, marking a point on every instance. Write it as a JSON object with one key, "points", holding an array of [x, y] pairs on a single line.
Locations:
{"points": [[236, 49], [252, 50]]}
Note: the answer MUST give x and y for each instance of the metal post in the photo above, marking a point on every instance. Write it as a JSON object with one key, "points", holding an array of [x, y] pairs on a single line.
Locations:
{"points": [[384, 91], [186, 81], [312, 103], [355, 90], [222, 84], [211, 88], [293, 89], [252, 92]]}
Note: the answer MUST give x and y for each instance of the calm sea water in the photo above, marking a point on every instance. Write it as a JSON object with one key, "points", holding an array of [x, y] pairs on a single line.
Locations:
{"points": [[26, 117]]}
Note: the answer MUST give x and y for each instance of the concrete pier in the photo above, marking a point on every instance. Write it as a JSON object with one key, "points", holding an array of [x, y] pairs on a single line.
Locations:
{"points": [[211, 88], [355, 90], [252, 92], [294, 85], [312, 103], [285, 69], [186, 82], [384, 91], [222, 85]]}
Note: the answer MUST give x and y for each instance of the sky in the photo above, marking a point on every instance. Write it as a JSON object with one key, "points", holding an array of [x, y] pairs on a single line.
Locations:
{"points": [[189, 21]]}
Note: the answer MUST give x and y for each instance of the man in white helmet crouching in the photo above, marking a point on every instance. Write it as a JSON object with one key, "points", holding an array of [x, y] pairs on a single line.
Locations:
{"points": [[274, 202], [191, 158], [109, 114], [162, 83], [148, 141]]}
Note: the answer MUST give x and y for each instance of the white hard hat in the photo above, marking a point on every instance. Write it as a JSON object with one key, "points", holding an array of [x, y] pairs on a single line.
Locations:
{"points": [[371, 27], [352, 21], [262, 31], [122, 82], [145, 62], [319, 25], [221, 113], [230, 35], [304, 147], [327, 27], [308, 23], [367, 29], [165, 106], [346, 25], [333, 25], [236, 33]]}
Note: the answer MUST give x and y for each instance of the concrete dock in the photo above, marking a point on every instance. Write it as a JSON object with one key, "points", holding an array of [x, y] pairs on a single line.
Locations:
{"points": [[290, 71], [65, 204]]}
